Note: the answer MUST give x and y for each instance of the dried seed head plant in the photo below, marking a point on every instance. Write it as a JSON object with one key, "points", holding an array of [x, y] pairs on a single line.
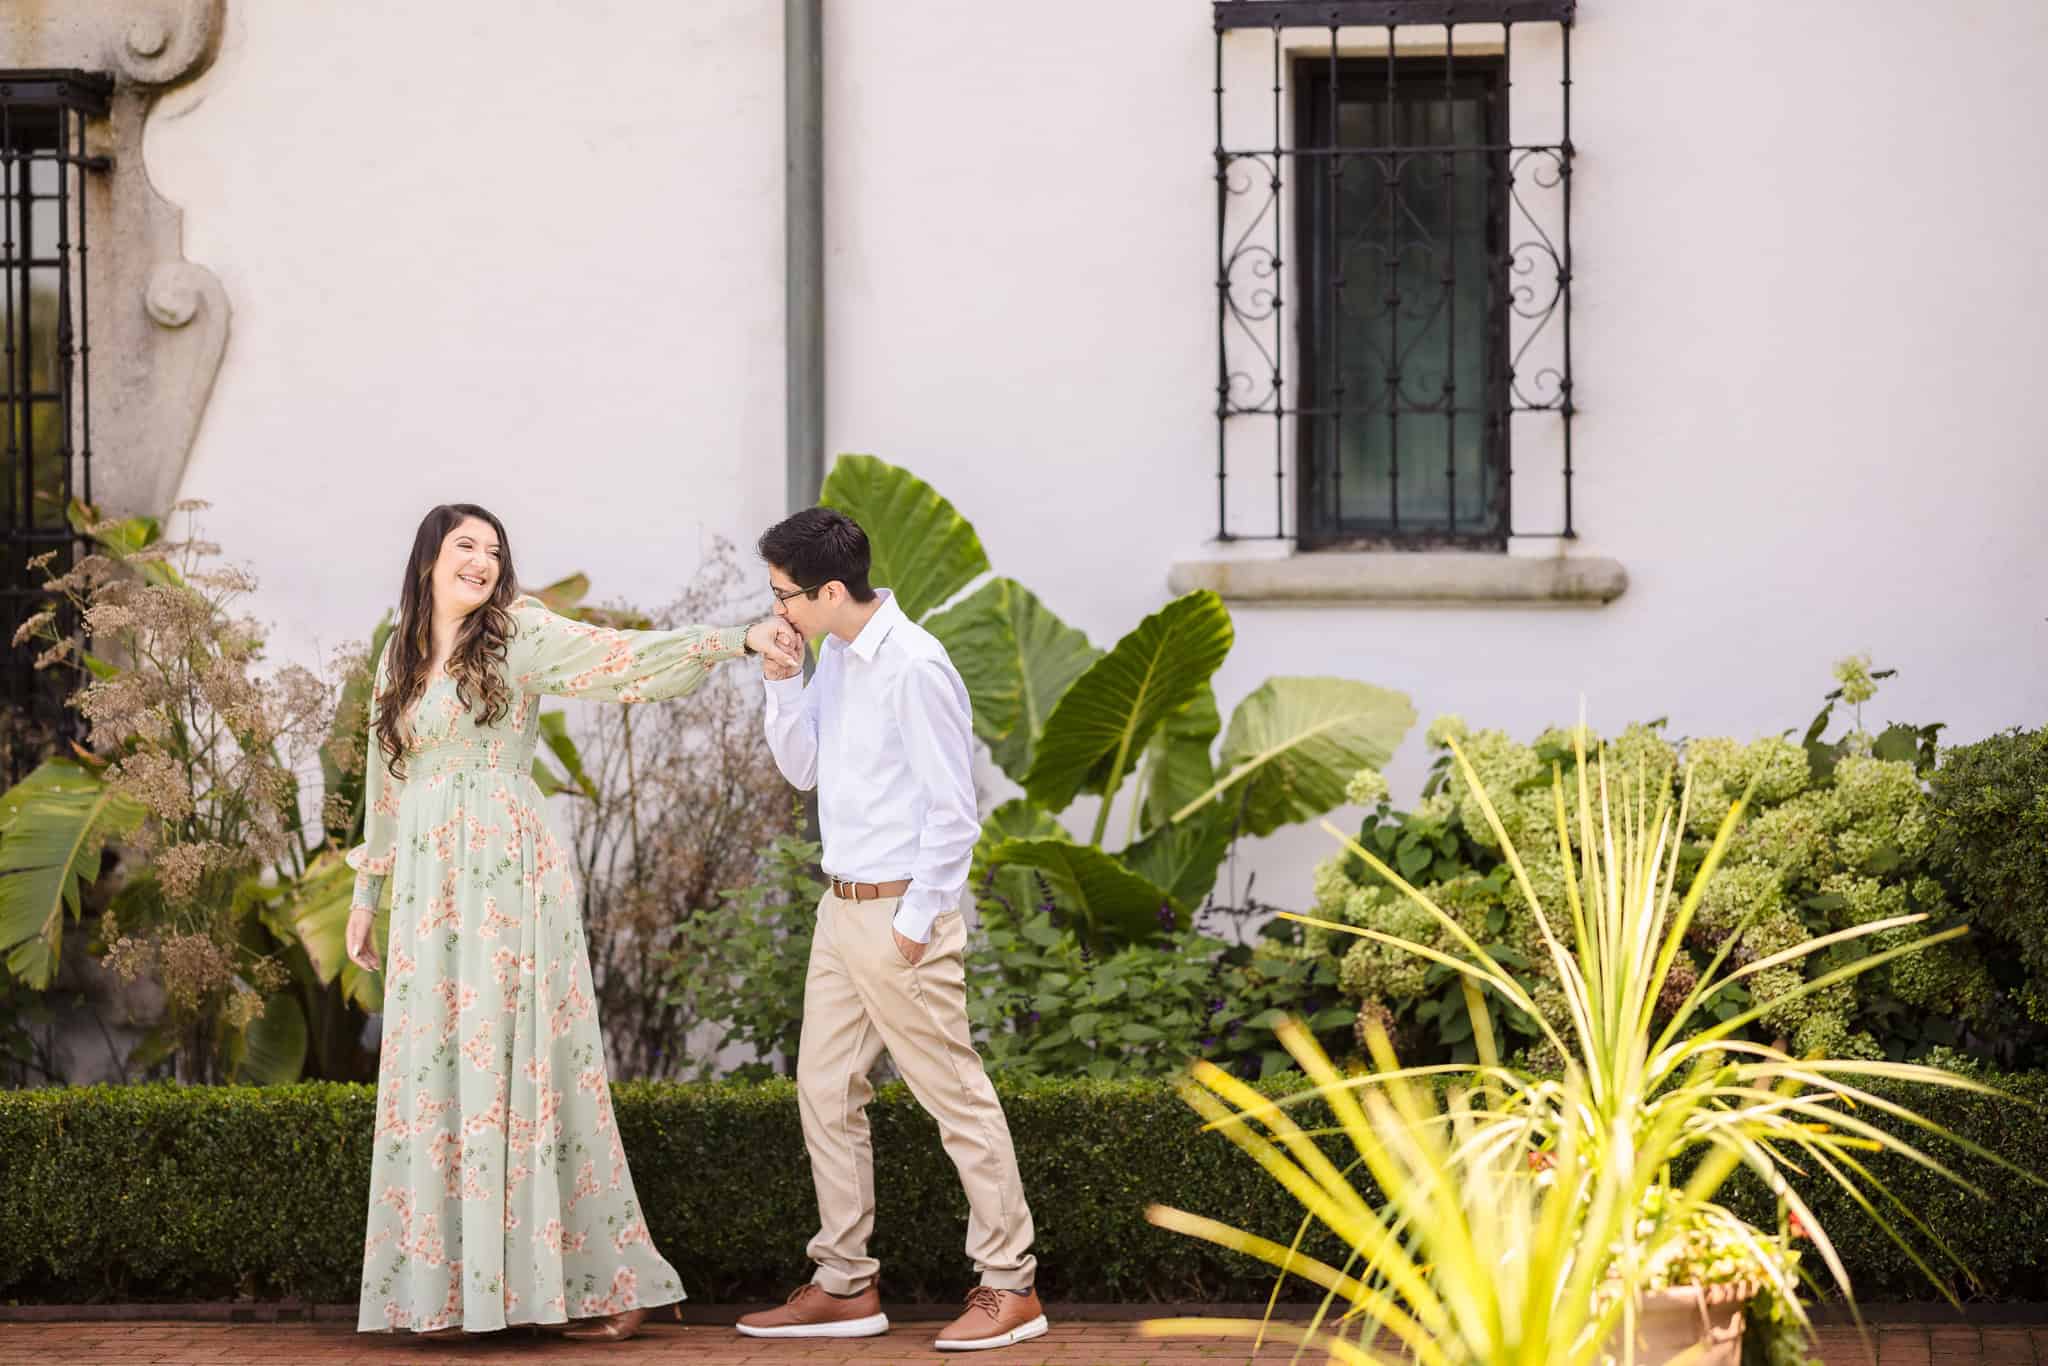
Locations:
{"points": [[187, 723], [684, 798]]}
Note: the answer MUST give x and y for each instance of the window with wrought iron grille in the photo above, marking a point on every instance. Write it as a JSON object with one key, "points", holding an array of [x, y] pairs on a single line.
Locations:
{"points": [[1393, 192], [45, 357]]}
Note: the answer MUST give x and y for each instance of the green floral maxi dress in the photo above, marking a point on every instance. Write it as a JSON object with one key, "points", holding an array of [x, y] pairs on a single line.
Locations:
{"points": [[499, 1192]]}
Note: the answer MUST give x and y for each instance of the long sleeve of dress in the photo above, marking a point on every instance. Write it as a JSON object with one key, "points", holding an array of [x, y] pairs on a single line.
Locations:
{"points": [[554, 655], [373, 857]]}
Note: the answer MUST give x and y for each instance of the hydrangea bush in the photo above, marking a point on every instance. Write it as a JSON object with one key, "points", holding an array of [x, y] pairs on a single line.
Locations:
{"points": [[1838, 835]]}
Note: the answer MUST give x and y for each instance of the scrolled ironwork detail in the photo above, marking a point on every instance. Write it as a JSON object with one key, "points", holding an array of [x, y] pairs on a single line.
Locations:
{"points": [[1393, 285]]}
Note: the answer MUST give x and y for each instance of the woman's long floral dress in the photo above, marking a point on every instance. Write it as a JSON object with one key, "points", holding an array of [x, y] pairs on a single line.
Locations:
{"points": [[499, 1192]]}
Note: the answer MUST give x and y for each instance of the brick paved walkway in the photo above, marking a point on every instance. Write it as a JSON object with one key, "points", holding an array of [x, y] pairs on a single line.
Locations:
{"points": [[1071, 1343]]}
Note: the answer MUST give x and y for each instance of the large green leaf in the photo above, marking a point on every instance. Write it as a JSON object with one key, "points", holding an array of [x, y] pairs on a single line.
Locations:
{"points": [[350, 729], [55, 826], [1178, 767], [922, 549], [1101, 724], [1295, 742], [123, 537], [1115, 902], [1050, 655], [1017, 818], [1016, 658], [1185, 856], [979, 640], [272, 1051], [564, 596], [554, 733], [318, 917]]}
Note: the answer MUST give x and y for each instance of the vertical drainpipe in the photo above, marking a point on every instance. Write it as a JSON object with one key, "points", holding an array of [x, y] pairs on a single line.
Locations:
{"points": [[803, 299], [803, 97]]}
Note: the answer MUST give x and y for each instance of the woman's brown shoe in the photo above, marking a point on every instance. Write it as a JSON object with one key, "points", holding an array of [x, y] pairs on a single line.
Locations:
{"points": [[612, 1328]]}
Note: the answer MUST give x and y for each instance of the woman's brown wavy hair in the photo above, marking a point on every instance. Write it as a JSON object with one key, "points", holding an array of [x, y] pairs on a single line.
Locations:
{"points": [[476, 663]]}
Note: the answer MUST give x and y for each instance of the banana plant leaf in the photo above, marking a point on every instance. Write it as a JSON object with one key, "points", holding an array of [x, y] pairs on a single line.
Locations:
{"points": [[564, 596], [573, 779], [316, 914], [55, 826], [122, 537], [272, 1050], [350, 730]]}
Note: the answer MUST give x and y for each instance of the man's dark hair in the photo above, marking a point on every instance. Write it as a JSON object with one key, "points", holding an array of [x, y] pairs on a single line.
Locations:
{"points": [[817, 546]]}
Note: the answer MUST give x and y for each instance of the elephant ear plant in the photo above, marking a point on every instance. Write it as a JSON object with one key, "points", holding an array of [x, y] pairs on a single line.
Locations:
{"points": [[1652, 1085], [1138, 722]]}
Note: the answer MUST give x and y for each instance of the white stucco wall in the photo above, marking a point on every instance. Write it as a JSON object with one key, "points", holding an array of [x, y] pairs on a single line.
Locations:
{"points": [[531, 256], [525, 256], [1808, 319]]}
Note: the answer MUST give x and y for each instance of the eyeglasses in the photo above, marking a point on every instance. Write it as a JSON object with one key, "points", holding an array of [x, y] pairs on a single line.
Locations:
{"points": [[785, 597]]}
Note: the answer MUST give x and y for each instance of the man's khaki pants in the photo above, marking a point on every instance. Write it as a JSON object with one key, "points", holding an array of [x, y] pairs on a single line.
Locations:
{"points": [[860, 998]]}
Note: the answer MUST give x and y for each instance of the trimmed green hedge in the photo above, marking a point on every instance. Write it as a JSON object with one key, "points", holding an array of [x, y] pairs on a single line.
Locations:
{"points": [[160, 1192]]}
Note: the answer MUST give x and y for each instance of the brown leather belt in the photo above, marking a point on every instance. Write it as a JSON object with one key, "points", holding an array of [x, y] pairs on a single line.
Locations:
{"points": [[869, 891]]}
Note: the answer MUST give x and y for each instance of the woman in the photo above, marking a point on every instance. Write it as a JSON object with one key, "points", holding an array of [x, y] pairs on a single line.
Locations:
{"points": [[499, 1191]]}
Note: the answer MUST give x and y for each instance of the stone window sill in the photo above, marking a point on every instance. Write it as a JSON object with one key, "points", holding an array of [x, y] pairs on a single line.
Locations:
{"points": [[1421, 578]]}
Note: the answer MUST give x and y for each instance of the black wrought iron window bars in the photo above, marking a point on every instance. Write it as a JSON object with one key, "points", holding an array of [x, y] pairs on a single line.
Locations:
{"points": [[45, 352], [1393, 272]]}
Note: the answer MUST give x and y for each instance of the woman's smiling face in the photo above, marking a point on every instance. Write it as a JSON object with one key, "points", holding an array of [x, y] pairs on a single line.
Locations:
{"points": [[467, 571]]}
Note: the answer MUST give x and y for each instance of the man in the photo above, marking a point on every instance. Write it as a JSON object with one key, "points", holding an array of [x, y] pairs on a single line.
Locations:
{"points": [[883, 731]]}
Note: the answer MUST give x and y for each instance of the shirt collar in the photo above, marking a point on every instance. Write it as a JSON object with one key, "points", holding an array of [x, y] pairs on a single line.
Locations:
{"points": [[885, 619]]}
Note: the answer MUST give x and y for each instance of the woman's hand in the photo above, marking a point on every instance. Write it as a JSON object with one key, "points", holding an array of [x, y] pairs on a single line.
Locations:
{"points": [[357, 939], [777, 644]]}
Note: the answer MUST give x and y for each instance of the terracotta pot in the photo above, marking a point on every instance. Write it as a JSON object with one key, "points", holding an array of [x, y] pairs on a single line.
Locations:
{"points": [[1669, 1322]]}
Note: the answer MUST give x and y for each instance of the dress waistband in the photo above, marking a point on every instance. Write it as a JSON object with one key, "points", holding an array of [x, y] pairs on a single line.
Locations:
{"points": [[496, 757]]}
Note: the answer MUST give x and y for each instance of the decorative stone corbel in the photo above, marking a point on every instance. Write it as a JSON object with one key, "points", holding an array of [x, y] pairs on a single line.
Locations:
{"points": [[158, 324], [163, 42]]}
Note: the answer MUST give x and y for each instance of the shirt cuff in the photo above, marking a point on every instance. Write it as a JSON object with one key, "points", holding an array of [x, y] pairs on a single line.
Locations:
{"points": [[731, 642], [921, 906], [783, 689]]}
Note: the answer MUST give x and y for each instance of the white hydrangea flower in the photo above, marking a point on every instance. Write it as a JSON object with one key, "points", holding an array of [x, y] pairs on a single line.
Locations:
{"points": [[1445, 729], [1853, 674], [1332, 887], [1438, 809], [1366, 788]]}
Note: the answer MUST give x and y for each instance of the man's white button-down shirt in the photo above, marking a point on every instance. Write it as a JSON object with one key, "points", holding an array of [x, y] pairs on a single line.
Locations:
{"points": [[885, 732]]}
